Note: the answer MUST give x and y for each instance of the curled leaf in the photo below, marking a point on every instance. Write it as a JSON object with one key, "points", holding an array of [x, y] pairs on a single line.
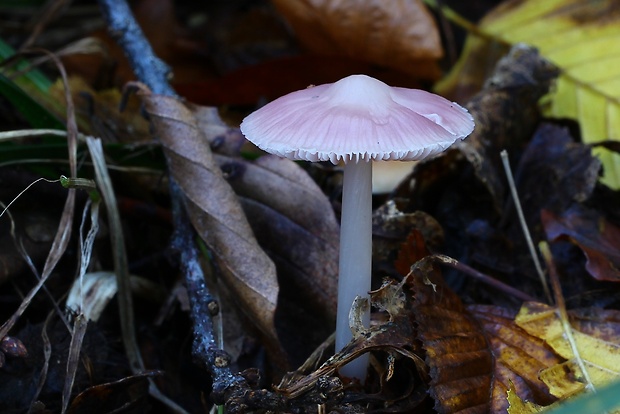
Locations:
{"points": [[215, 210], [596, 236], [293, 221]]}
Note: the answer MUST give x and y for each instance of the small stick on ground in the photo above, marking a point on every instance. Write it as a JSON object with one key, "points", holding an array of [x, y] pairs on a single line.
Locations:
{"points": [[526, 231]]}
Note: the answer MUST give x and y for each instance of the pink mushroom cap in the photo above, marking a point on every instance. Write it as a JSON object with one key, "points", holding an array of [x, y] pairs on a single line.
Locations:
{"points": [[357, 118]]}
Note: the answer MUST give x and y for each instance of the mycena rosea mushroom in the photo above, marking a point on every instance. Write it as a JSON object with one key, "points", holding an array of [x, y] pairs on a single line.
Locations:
{"points": [[356, 120]]}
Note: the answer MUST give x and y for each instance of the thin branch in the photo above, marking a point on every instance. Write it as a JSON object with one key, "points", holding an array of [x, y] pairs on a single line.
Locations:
{"points": [[228, 388], [147, 67]]}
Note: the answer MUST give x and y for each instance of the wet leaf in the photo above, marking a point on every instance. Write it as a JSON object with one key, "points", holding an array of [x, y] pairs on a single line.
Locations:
{"points": [[580, 38], [215, 210], [400, 34], [596, 337], [593, 233]]}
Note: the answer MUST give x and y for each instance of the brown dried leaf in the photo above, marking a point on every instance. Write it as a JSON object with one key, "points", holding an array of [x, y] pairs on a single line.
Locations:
{"points": [[457, 353], [215, 211], [593, 233], [518, 356], [475, 354], [114, 396], [398, 33], [293, 221]]}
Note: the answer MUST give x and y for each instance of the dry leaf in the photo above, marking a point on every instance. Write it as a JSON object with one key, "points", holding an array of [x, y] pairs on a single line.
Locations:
{"points": [[518, 406], [518, 356], [215, 211], [112, 396], [457, 353], [400, 34], [394, 335], [475, 354], [293, 221], [391, 227], [580, 37], [506, 114], [596, 336], [593, 233]]}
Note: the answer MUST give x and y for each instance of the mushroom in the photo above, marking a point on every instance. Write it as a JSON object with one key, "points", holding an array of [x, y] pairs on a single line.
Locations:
{"points": [[356, 120]]}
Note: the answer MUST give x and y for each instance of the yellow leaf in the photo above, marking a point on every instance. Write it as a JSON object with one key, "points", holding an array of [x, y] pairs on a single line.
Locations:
{"points": [[518, 406], [601, 357], [581, 38]]}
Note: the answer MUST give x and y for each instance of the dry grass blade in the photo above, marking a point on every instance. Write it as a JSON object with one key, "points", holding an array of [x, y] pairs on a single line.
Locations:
{"points": [[80, 324], [121, 269], [61, 239], [120, 258]]}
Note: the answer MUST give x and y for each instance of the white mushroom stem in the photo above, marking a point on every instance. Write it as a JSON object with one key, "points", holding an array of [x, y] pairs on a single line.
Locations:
{"points": [[355, 255]]}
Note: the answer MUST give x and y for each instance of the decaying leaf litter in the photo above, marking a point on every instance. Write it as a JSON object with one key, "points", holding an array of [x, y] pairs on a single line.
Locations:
{"points": [[457, 205]]}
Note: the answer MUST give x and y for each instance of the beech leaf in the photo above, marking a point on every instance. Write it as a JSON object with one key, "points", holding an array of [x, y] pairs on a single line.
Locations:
{"points": [[475, 354], [459, 360], [398, 33], [596, 333], [518, 358], [215, 210]]}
